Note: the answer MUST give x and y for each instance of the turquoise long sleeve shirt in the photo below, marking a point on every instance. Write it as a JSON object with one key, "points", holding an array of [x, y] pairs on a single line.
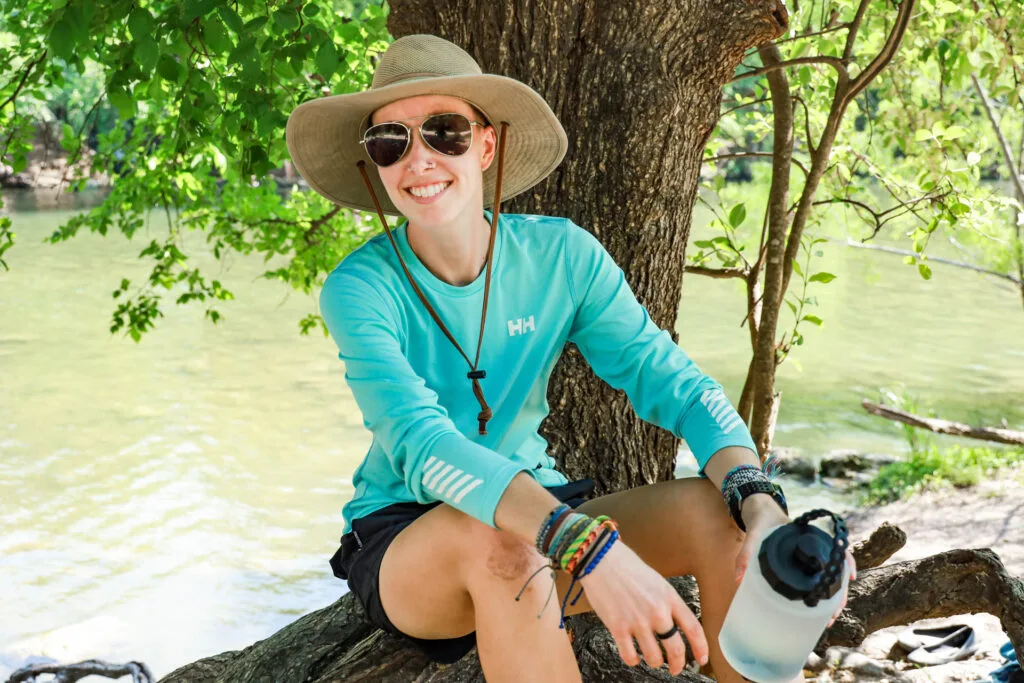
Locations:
{"points": [[552, 283]]}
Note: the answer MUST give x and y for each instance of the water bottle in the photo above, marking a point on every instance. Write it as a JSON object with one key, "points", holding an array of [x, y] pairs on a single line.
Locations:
{"points": [[788, 595]]}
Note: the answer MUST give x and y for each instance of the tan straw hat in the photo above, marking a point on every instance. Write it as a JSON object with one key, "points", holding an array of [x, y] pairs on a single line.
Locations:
{"points": [[323, 134]]}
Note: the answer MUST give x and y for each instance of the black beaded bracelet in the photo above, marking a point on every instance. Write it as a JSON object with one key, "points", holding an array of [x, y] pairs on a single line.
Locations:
{"points": [[735, 496]]}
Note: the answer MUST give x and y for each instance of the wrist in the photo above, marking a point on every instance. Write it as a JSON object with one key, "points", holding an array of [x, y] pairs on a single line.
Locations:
{"points": [[761, 506]]}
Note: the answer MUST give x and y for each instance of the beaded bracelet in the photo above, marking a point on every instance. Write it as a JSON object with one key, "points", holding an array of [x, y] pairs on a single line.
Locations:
{"points": [[548, 522]]}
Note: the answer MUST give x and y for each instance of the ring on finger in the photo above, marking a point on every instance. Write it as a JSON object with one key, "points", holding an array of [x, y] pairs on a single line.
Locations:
{"points": [[669, 633]]}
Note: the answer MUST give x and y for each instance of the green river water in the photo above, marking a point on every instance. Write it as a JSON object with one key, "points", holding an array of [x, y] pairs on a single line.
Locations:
{"points": [[173, 499]]}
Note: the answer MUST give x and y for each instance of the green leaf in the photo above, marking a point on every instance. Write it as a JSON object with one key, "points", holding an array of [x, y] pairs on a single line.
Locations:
{"points": [[287, 19], [791, 305], [61, 40], [814, 320], [231, 18], [924, 270], [168, 68], [737, 215], [123, 102], [140, 23], [954, 132], [216, 37], [909, 260], [327, 59], [147, 52], [311, 9], [823, 277], [797, 269], [922, 134]]}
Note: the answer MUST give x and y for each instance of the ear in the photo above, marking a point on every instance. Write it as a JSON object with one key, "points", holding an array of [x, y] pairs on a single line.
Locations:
{"points": [[489, 145]]}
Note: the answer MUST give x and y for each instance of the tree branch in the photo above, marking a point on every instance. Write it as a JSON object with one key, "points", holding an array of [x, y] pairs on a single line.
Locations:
{"points": [[835, 62], [884, 542], [24, 77], [718, 273], [885, 55], [935, 259], [880, 218], [69, 673], [1018, 184], [741, 106], [939, 426], [851, 37], [740, 155], [943, 585]]}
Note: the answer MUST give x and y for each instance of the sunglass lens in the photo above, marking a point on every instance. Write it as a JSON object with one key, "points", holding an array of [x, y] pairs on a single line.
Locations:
{"points": [[450, 134], [386, 143]]}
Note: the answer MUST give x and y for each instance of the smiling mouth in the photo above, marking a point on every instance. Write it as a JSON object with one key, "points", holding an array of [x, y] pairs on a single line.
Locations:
{"points": [[428, 191]]}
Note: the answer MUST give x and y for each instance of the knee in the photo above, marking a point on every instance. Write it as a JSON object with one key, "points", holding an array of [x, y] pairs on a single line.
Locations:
{"points": [[495, 555]]}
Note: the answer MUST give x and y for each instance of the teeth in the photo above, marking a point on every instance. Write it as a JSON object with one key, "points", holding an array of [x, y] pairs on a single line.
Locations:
{"points": [[428, 190]]}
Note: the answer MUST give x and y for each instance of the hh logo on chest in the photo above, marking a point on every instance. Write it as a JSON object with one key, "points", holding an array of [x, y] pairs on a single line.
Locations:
{"points": [[520, 326]]}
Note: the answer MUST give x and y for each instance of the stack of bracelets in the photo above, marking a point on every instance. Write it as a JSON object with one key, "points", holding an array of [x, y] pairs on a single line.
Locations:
{"points": [[574, 543], [746, 480]]}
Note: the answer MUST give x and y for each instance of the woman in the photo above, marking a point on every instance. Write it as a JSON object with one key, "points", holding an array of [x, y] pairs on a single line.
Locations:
{"points": [[457, 505]]}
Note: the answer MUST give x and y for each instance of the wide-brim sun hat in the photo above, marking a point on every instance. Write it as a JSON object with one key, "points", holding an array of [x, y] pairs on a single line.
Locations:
{"points": [[323, 135]]}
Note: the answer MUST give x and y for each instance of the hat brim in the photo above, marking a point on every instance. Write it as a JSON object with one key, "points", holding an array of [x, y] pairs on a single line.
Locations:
{"points": [[323, 136]]}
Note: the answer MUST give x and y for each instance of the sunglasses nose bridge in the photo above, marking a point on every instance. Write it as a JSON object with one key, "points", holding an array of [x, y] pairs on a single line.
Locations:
{"points": [[417, 149]]}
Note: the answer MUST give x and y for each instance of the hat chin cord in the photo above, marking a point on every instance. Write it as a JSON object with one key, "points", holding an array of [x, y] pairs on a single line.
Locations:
{"points": [[474, 374]]}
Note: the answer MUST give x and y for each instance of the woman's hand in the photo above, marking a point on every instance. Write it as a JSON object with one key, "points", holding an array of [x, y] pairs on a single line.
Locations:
{"points": [[761, 513], [634, 601]]}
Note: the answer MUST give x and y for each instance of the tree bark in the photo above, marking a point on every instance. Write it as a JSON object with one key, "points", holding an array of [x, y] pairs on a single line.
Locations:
{"points": [[943, 585], [939, 426], [338, 644], [637, 86], [883, 543]]}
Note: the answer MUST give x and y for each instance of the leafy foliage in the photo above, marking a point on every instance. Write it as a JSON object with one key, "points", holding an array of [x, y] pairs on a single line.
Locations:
{"points": [[185, 107]]}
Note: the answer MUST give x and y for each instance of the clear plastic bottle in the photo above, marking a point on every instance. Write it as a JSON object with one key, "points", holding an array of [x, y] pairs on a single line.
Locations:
{"points": [[780, 611]]}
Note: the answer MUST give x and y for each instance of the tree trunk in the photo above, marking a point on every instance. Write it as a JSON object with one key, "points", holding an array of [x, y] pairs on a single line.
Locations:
{"points": [[338, 644], [637, 86]]}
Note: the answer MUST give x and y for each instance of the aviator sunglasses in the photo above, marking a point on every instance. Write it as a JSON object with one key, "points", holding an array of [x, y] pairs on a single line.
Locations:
{"points": [[448, 134]]}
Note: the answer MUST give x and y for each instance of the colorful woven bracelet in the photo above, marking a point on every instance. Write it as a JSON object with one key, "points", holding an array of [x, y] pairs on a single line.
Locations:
{"points": [[592, 565], [601, 536]]}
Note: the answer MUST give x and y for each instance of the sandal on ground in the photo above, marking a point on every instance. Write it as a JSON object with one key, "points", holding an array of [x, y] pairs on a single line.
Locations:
{"points": [[914, 638], [959, 645]]}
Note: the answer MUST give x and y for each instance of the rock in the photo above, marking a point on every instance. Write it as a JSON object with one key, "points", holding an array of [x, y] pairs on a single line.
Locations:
{"points": [[849, 463], [860, 665], [796, 465]]}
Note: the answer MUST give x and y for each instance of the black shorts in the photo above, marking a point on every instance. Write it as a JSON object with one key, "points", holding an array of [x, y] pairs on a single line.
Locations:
{"points": [[362, 549]]}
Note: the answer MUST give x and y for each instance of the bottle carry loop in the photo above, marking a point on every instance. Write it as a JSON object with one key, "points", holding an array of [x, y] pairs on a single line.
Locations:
{"points": [[834, 568]]}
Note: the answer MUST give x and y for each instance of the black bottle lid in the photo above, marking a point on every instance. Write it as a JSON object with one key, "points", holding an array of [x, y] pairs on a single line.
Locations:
{"points": [[793, 560]]}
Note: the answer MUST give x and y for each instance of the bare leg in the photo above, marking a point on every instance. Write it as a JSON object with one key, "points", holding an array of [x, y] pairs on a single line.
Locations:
{"points": [[447, 574]]}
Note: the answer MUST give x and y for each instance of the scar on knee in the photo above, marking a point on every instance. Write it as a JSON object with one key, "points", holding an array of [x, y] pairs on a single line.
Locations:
{"points": [[509, 559]]}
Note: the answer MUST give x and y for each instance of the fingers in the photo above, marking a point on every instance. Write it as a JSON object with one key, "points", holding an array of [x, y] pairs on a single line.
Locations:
{"points": [[692, 629], [649, 645], [675, 648], [624, 642]]}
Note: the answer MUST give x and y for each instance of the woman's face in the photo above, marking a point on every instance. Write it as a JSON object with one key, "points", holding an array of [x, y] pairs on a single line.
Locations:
{"points": [[422, 169]]}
